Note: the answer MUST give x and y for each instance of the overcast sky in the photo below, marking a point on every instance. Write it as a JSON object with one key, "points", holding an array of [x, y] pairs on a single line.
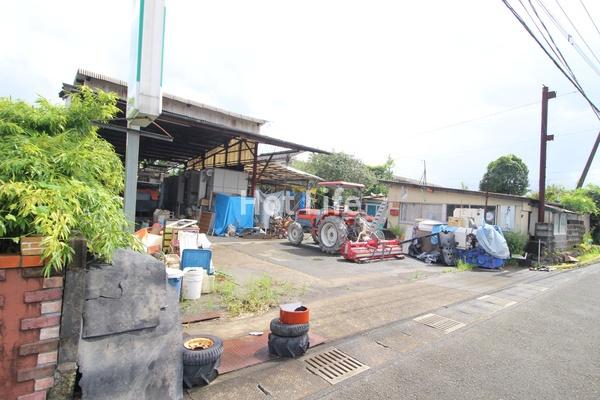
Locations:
{"points": [[368, 78]]}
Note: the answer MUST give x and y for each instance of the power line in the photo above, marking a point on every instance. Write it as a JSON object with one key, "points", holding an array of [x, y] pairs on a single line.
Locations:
{"points": [[582, 39], [570, 39], [468, 121], [571, 79], [588, 14]]}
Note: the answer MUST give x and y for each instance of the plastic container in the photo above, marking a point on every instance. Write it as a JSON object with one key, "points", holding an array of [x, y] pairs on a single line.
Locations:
{"points": [[294, 313], [174, 277], [208, 283], [196, 258], [192, 283]]}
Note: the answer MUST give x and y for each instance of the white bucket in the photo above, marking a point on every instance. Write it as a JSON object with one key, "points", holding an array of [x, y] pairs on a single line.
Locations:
{"points": [[192, 283]]}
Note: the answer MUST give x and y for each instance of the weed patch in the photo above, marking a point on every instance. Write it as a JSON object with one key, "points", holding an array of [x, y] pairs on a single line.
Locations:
{"points": [[463, 266], [254, 297]]}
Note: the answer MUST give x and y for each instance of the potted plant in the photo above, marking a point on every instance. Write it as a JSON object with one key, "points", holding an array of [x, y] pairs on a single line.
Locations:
{"points": [[60, 179]]}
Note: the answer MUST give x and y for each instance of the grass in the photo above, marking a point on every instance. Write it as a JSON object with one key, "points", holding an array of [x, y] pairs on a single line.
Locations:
{"points": [[463, 266], [254, 297]]}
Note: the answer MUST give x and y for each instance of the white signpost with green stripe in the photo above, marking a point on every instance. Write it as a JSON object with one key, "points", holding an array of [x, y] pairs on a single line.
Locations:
{"points": [[144, 88]]}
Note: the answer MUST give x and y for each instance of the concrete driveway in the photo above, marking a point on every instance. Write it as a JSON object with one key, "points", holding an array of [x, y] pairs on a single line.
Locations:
{"points": [[346, 298]]}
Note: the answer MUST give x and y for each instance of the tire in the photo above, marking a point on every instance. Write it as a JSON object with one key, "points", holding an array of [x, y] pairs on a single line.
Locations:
{"points": [[200, 375], [295, 233], [333, 233], [287, 330], [203, 356], [288, 346]]}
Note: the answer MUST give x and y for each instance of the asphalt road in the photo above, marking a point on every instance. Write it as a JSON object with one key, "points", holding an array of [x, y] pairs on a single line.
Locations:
{"points": [[545, 348]]}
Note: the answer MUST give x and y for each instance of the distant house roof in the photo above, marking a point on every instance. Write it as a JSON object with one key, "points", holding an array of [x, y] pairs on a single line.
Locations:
{"points": [[418, 184]]}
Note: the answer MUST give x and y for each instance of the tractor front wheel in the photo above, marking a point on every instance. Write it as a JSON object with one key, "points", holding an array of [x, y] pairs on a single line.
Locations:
{"points": [[333, 233], [295, 233]]}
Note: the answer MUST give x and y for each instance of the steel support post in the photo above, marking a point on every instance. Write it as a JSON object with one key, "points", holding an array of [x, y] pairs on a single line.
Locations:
{"points": [[131, 172]]}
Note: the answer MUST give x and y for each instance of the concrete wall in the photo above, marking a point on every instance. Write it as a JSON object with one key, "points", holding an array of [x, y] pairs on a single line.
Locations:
{"points": [[30, 313]]}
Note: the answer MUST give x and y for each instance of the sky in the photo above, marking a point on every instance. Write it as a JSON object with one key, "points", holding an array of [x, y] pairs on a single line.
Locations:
{"points": [[370, 79]]}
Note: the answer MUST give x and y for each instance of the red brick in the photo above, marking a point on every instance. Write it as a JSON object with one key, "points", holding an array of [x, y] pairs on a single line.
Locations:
{"points": [[53, 282], [31, 261], [28, 374], [41, 395], [2, 275], [42, 295], [40, 322], [42, 346], [10, 261], [1, 301]]}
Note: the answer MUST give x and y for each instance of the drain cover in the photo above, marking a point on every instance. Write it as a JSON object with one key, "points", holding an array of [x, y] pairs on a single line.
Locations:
{"points": [[438, 322], [334, 366]]}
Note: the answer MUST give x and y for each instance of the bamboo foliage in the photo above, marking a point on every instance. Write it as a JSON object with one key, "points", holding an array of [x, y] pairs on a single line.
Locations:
{"points": [[59, 179]]}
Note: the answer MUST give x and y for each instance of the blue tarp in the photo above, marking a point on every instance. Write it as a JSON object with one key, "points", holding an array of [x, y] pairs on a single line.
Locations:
{"points": [[438, 229], [233, 210]]}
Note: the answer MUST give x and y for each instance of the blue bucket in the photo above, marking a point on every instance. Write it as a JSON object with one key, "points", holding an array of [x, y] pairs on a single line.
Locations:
{"points": [[174, 278]]}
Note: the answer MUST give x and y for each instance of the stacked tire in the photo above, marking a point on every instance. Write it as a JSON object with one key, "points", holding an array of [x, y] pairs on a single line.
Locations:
{"points": [[288, 340], [201, 358]]}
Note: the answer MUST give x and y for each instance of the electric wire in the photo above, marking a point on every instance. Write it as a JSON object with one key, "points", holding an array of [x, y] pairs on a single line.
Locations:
{"points": [[577, 30], [590, 16], [570, 39], [554, 61]]}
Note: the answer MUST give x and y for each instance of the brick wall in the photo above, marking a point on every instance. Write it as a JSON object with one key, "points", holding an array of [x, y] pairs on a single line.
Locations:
{"points": [[30, 311]]}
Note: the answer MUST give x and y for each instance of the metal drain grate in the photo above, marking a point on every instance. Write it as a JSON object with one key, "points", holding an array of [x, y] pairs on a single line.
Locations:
{"points": [[334, 366], [438, 322]]}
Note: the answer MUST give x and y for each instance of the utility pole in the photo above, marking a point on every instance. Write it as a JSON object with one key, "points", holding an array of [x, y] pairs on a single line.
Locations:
{"points": [[588, 164], [544, 138]]}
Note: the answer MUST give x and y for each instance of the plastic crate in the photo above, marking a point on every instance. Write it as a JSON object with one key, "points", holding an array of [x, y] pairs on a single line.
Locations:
{"points": [[196, 258]]}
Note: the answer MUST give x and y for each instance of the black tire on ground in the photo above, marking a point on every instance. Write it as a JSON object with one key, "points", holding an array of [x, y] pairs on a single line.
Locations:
{"points": [[288, 330], [200, 375], [295, 233], [288, 346], [333, 233], [203, 356]]}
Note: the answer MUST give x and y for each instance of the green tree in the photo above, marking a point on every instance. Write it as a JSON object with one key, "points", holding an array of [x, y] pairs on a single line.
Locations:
{"points": [[383, 171], [338, 167], [508, 174], [59, 179], [553, 193]]}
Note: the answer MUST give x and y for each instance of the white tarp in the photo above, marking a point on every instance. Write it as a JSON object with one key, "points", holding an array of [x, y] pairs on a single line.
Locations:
{"points": [[271, 204], [492, 241]]}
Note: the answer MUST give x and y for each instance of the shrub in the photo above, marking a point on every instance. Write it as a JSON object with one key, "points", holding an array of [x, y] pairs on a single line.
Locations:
{"points": [[516, 242], [59, 179], [397, 230]]}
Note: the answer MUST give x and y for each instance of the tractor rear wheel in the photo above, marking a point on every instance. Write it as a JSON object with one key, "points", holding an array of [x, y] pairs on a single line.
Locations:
{"points": [[295, 233], [333, 233]]}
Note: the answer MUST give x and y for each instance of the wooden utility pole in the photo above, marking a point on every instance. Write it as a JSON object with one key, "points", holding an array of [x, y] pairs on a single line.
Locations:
{"points": [[588, 164], [544, 138]]}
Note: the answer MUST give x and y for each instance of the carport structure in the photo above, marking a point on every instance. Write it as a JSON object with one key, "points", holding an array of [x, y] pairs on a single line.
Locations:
{"points": [[190, 134]]}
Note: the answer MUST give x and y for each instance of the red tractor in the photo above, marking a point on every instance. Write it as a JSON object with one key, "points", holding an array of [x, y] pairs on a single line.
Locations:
{"points": [[332, 226]]}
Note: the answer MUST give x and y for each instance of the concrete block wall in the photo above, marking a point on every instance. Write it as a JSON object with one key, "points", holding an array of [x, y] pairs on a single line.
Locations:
{"points": [[30, 313], [575, 232]]}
